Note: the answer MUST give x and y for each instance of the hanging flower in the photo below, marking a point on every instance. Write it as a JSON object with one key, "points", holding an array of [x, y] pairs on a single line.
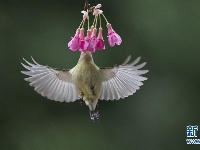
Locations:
{"points": [[100, 42], [91, 29], [94, 38], [90, 44], [113, 37], [85, 14], [81, 39], [74, 43], [97, 11]]}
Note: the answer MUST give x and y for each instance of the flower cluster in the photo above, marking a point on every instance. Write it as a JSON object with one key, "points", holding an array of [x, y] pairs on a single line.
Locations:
{"points": [[92, 42]]}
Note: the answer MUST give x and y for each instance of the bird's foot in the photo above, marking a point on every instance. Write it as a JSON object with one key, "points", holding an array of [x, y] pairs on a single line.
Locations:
{"points": [[94, 114], [81, 101]]}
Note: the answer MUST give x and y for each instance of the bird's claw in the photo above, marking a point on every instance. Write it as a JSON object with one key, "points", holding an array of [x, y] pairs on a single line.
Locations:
{"points": [[81, 101], [94, 114]]}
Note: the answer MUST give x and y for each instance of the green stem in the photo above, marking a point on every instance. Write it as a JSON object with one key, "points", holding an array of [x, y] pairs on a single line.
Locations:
{"points": [[105, 18], [96, 22], [81, 24], [88, 23], [100, 20]]}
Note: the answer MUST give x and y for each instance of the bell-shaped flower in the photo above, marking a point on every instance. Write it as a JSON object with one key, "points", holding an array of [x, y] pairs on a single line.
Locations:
{"points": [[100, 42], [113, 37], [85, 14], [91, 29], [90, 43], [81, 39], [74, 43], [98, 6], [97, 11], [94, 38]]}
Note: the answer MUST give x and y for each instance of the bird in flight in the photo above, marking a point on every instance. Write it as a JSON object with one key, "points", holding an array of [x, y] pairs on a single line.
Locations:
{"points": [[86, 81]]}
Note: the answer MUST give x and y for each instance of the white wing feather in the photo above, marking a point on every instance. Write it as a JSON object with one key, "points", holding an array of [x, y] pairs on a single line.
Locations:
{"points": [[122, 81], [51, 83]]}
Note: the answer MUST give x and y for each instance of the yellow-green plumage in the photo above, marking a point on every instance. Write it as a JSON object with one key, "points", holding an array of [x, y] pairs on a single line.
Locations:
{"points": [[86, 81], [86, 78]]}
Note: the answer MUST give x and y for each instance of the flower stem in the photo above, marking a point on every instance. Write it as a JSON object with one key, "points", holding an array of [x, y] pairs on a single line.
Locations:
{"points": [[96, 22], [100, 20], [81, 24], [105, 18], [88, 23]]}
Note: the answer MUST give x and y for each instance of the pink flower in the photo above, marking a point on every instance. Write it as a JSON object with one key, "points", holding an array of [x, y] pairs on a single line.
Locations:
{"points": [[91, 28], [74, 43], [94, 39], [98, 6], [97, 11], [100, 42], [113, 37], [81, 39], [90, 42], [85, 14]]}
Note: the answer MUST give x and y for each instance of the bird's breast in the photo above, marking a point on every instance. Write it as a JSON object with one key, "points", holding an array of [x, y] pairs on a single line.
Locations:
{"points": [[87, 80]]}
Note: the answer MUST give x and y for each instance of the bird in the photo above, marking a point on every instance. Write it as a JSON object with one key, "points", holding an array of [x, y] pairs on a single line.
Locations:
{"points": [[86, 81]]}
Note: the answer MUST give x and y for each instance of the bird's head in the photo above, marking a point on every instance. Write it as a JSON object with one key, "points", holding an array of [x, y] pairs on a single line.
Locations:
{"points": [[86, 56]]}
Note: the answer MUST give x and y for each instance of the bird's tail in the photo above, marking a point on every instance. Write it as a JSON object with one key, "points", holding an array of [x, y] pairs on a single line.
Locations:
{"points": [[94, 114]]}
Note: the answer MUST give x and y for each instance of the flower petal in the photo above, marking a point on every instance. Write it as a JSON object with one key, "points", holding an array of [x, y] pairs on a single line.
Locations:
{"points": [[98, 6], [74, 43], [113, 37], [97, 12]]}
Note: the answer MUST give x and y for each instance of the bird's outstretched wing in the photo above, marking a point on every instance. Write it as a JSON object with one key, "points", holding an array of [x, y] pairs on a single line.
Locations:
{"points": [[123, 80], [55, 84]]}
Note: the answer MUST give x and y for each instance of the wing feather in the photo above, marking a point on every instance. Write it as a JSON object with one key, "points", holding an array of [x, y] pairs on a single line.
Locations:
{"points": [[48, 86], [119, 86], [135, 61], [115, 92], [123, 80], [51, 95], [126, 60], [52, 83]]}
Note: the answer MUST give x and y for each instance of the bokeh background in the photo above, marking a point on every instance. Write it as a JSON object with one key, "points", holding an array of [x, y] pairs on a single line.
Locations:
{"points": [[166, 33]]}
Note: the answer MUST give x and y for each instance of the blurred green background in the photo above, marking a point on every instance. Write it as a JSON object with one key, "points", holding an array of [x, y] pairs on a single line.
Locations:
{"points": [[166, 33]]}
